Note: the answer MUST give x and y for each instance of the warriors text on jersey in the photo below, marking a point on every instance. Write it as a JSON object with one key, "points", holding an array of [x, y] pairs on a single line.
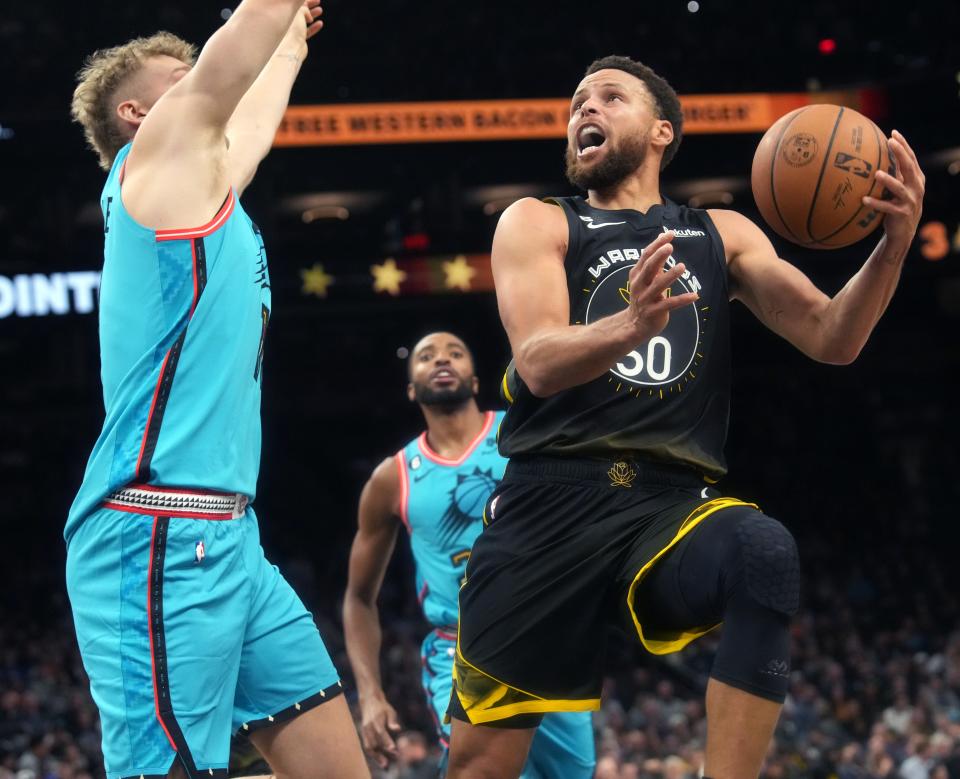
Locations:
{"points": [[441, 505], [183, 317], [668, 399]]}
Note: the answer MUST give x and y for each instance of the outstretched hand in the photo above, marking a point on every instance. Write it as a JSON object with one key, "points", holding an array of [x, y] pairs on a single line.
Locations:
{"points": [[902, 210], [305, 25], [312, 11], [650, 302]]}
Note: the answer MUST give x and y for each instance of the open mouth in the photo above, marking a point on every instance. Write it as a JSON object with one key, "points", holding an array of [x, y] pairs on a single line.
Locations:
{"points": [[589, 140], [443, 375]]}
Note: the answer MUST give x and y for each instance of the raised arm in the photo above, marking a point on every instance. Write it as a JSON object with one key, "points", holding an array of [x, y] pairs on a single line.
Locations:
{"points": [[254, 123], [831, 330], [232, 59], [369, 556], [177, 173], [550, 354]]}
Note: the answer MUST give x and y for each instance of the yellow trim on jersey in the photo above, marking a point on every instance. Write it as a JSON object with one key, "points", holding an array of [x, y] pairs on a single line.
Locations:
{"points": [[680, 640], [506, 389], [708, 480], [495, 700]]}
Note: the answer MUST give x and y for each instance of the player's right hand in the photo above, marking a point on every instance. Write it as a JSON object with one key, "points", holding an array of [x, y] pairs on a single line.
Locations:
{"points": [[650, 303], [304, 26], [378, 728], [311, 12]]}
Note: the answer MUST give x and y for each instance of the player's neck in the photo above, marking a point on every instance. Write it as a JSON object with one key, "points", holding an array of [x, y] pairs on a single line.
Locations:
{"points": [[639, 192], [450, 433]]}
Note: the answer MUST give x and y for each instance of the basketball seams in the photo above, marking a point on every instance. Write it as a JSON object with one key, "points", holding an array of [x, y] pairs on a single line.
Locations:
{"points": [[842, 177], [773, 167], [845, 225], [823, 169]]}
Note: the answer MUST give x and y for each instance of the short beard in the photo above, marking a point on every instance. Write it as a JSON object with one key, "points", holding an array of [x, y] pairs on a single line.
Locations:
{"points": [[616, 166], [445, 401]]}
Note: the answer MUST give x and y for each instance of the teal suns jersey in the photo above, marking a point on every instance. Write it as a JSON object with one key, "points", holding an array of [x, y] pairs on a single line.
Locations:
{"points": [[441, 505], [183, 317]]}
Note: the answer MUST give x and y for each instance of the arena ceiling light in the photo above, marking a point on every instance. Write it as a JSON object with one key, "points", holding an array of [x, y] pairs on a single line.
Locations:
{"points": [[313, 206], [710, 199], [325, 212], [494, 199], [704, 193]]}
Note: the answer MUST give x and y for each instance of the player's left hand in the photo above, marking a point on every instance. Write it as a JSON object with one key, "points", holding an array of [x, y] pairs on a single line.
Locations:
{"points": [[902, 210]]}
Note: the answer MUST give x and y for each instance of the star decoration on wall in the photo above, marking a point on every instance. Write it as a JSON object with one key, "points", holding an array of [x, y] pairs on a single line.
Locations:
{"points": [[458, 273], [316, 281], [388, 277]]}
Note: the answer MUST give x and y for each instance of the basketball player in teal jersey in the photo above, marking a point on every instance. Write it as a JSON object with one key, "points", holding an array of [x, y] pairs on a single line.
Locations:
{"points": [[617, 309], [186, 632], [436, 487]]}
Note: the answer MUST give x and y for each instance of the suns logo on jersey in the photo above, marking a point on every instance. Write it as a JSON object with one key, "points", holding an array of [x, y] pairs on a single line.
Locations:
{"points": [[662, 365], [467, 500]]}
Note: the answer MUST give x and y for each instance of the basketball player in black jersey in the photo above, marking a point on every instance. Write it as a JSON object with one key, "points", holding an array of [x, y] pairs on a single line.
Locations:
{"points": [[616, 306]]}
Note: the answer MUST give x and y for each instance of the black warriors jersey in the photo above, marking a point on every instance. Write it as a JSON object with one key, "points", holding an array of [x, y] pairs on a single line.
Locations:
{"points": [[669, 398]]}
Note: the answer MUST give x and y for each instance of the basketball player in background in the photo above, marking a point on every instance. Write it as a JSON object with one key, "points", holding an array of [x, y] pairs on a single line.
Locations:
{"points": [[185, 630], [436, 487], [616, 306]]}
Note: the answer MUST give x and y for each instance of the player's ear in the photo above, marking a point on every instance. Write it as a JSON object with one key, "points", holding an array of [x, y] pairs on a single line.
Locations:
{"points": [[131, 112], [661, 134], [411, 392], [476, 385]]}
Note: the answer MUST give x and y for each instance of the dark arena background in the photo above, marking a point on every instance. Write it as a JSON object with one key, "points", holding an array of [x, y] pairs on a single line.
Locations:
{"points": [[374, 242]]}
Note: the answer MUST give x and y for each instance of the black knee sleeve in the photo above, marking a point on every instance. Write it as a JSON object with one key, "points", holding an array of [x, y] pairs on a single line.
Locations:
{"points": [[754, 651], [740, 568], [771, 566], [763, 592]]}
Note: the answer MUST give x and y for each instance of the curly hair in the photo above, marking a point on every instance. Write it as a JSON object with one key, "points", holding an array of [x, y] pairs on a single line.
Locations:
{"points": [[664, 97], [103, 73]]}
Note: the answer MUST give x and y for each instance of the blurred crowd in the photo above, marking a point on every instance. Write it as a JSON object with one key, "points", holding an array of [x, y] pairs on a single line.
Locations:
{"points": [[49, 727]]}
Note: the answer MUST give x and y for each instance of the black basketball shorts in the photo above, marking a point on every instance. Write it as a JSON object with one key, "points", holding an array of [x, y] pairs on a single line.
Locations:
{"points": [[565, 545]]}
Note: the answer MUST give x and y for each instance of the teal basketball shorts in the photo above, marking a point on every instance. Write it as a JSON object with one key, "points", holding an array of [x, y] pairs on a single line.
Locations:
{"points": [[187, 633]]}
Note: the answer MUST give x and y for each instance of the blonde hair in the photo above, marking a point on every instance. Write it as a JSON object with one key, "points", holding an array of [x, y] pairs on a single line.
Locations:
{"points": [[102, 74]]}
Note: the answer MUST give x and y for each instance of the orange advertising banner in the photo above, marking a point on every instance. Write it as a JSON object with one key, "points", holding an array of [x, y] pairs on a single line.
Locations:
{"points": [[499, 120], [474, 120]]}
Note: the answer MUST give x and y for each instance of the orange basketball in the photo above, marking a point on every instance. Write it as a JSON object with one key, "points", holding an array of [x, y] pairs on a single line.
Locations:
{"points": [[811, 171]]}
